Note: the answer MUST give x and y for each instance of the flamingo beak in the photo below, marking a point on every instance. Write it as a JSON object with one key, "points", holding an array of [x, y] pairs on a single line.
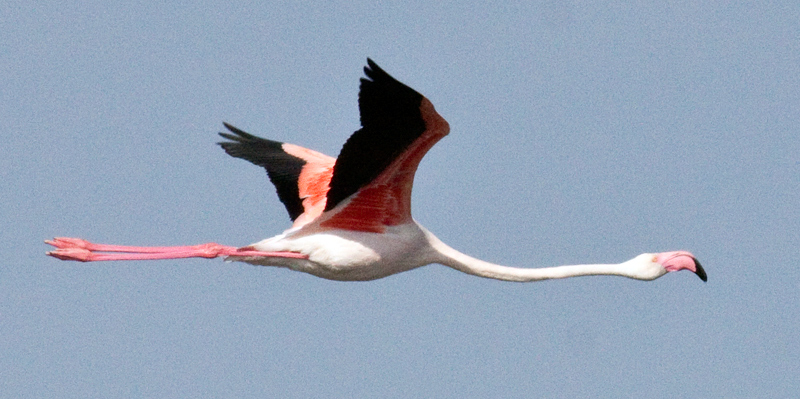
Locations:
{"points": [[700, 272], [681, 260]]}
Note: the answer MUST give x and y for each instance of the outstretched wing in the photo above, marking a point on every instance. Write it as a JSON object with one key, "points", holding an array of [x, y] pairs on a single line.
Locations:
{"points": [[301, 176], [373, 176], [369, 186]]}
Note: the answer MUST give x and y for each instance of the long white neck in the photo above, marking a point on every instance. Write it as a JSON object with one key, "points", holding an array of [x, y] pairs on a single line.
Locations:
{"points": [[640, 268]]}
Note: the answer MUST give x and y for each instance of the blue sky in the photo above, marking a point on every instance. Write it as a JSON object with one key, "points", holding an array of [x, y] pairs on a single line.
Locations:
{"points": [[579, 133]]}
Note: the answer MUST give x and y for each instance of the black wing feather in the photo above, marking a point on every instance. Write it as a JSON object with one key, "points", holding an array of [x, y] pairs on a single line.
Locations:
{"points": [[283, 169], [390, 120]]}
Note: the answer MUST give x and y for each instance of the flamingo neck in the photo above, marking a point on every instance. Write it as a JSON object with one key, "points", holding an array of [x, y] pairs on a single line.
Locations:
{"points": [[467, 264]]}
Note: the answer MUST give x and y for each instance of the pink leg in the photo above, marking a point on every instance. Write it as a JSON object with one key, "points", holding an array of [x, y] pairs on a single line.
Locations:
{"points": [[85, 251]]}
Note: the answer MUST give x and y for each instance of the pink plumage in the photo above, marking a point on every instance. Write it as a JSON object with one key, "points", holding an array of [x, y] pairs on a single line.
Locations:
{"points": [[352, 214]]}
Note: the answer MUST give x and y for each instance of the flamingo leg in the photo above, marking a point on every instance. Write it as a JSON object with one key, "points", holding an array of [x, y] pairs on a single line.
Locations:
{"points": [[84, 251]]}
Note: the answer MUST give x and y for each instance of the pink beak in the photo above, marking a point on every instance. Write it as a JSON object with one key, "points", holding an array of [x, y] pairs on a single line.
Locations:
{"points": [[681, 260]]}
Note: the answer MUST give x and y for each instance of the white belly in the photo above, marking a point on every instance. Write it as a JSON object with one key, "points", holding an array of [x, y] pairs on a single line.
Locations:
{"points": [[350, 255]]}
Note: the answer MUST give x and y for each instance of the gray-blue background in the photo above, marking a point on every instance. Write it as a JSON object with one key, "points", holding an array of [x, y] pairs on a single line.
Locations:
{"points": [[580, 133]]}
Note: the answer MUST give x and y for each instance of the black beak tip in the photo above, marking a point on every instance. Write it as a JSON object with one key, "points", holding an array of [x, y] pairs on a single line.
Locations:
{"points": [[700, 272]]}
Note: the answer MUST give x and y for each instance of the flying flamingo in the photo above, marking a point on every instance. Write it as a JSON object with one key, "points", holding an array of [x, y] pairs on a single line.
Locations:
{"points": [[352, 214]]}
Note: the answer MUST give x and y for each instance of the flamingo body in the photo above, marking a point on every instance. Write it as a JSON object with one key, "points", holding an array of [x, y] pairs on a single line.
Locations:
{"points": [[352, 214], [348, 255]]}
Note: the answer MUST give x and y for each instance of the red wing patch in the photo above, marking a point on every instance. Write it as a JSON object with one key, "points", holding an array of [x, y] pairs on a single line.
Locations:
{"points": [[313, 182], [386, 201]]}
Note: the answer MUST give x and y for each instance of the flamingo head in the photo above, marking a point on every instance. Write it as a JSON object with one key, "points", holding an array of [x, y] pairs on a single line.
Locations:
{"points": [[680, 260]]}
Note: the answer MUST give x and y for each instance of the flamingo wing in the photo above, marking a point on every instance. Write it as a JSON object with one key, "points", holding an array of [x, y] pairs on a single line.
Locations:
{"points": [[374, 173], [369, 186], [301, 176]]}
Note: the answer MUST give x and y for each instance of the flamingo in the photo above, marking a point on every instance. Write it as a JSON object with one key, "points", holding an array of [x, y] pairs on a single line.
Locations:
{"points": [[352, 214]]}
